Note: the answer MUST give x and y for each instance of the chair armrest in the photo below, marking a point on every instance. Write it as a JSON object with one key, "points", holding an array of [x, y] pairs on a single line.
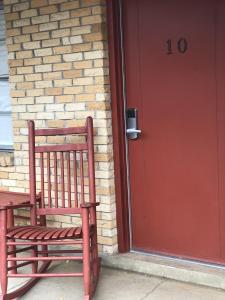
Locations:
{"points": [[89, 204], [10, 205]]}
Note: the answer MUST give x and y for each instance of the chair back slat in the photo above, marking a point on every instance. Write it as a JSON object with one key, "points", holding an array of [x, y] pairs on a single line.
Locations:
{"points": [[81, 177], [75, 178], [42, 179], [69, 180], [58, 148], [62, 178], [56, 179], [60, 131], [49, 180], [63, 171]]}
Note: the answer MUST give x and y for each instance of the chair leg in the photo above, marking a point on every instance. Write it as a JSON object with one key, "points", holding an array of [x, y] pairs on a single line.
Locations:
{"points": [[86, 256], [3, 255], [35, 263], [10, 223]]}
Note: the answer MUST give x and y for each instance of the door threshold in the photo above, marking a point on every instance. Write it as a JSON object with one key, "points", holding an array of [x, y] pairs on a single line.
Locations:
{"points": [[169, 267]]}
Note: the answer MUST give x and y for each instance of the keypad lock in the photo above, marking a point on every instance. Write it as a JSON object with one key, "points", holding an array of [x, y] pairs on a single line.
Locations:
{"points": [[132, 130]]}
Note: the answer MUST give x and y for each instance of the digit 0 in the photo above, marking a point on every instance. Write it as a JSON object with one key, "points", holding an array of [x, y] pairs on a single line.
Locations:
{"points": [[182, 45]]}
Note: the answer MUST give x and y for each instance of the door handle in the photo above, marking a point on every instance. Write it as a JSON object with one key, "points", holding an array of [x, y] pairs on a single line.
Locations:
{"points": [[132, 130]]}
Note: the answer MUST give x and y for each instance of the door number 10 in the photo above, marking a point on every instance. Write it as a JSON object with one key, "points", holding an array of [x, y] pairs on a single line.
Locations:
{"points": [[180, 46]]}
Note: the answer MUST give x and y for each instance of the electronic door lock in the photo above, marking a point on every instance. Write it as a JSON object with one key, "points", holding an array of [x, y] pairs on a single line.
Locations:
{"points": [[132, 125]]}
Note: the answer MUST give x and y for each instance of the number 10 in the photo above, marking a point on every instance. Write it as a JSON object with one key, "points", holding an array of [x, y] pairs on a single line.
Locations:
{"points": [[182, 46]]}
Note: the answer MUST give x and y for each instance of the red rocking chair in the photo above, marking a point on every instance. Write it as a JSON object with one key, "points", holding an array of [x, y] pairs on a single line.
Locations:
{"points": [[64, 174]]}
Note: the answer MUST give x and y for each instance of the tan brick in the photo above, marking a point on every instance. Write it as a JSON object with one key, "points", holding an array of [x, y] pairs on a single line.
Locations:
{"points": [[4, 175], [72, 40], [39, 3], [72, 73], [29, 13], [62, 50], [60, 16], [51, 42], [16, 78], [73, 90], [45, 115], [48, 9], [15, 63], [94, 54], [30, 29], [98, 10], [40, 19], [62, 82], [43, 52], [21, 23], [35, 92], [69, 5], [55, 123], [81, 47], [25, 85], [64, 98], [52, 59], [57, 1], [13, 32], [69, 23], [96, 72], [40, 36], [24, 54], [31, 45], [12, 71], [24, 70], [35, 108], [52, 75], [85, 97], [97, 106], [22, 38], [17, 93], [48, 26], [60, 33], [43, 68], [83, 81], [21, 6], [72, 57], [13, 48], [82, 64], [81, 12], [32, 61], [92, 37], [95, 89], [53, 91], [11, 16], [33, 77], [45, 99], [62, 66], [91, 20], [43, 84], [81, 30]]}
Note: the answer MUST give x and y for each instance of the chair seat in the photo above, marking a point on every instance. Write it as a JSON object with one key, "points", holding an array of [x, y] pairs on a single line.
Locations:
{"points": [[43, 233]]}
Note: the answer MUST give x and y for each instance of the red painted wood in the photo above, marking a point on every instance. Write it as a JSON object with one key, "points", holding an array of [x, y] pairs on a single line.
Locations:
{"points": [[116, 83], [177, 165], [46, 163], [58, 148], [60, 131]]}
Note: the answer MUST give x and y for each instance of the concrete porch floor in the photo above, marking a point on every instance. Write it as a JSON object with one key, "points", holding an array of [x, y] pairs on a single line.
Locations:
{"points": [[117, 285]]}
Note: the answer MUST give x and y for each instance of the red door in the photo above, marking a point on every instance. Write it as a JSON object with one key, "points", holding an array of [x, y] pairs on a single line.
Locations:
{"points": [[175, 76]]}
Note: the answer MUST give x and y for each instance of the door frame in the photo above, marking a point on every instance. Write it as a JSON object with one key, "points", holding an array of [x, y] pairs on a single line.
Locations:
{"points": [[118, 124]]}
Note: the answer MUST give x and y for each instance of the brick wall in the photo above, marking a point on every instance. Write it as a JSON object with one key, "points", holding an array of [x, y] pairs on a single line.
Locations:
{"points": [[59, 75]]}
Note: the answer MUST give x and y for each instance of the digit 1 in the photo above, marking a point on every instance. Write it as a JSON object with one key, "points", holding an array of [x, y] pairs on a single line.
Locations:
{"points": [[169, 47]]}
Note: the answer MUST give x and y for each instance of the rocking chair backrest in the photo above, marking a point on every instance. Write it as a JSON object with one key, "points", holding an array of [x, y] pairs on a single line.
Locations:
{"points": [[63, 173]]}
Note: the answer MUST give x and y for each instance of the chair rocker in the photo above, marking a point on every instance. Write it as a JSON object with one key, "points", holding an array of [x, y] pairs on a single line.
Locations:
{"points": [[64, 175]]}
